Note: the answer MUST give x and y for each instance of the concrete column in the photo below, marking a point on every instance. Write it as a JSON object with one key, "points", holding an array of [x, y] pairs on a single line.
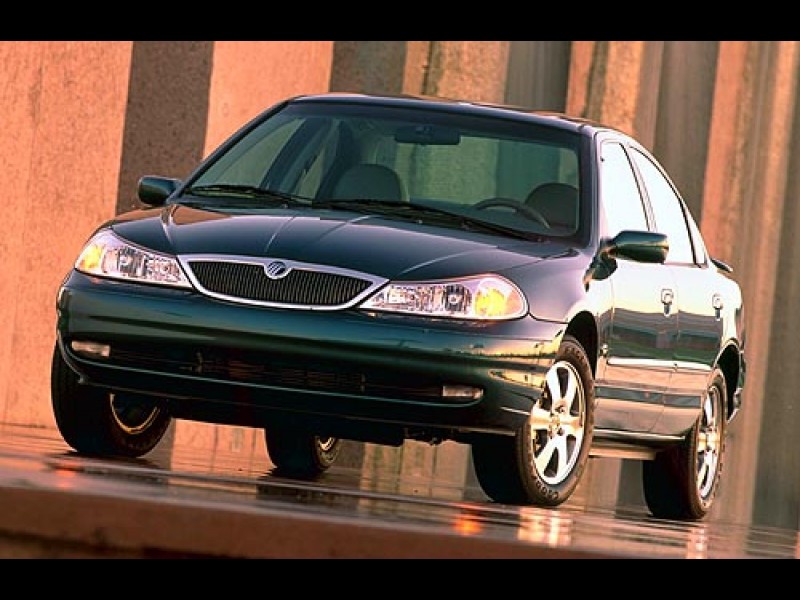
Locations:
{"points": [[537, 74], [617, 83], [580, 70], [776, 482], [249, 77], [370, 67], [62, 105], [468, 70], [684, 115], [166, 114], [743, 218]]}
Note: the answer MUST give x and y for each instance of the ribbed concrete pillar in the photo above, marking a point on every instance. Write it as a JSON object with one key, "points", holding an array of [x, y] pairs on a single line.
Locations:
{"points": [[684, 115], [617, 83], [249, 77], [743, 218], [538, 72], [776, 482], [470, 70], [62, 106], [374, 67], [166, 115]]}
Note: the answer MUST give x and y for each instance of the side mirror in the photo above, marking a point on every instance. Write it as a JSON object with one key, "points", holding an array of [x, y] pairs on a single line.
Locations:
{"points": [[154, 191], [641, 246]]}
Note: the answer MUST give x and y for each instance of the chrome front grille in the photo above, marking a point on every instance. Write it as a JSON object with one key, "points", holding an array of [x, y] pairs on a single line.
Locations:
{"points": [[278, 282]]}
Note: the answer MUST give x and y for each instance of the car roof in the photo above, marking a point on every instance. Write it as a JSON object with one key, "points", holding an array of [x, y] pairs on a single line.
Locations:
{"points": [[551, 118]]}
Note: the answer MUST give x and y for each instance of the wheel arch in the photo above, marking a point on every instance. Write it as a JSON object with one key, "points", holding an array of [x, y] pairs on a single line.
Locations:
{"points": [[730, 363], [583, 327]]}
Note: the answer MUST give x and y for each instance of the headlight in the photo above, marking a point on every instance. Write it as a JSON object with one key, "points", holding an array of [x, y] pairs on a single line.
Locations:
{"points": [[107, 255], [485, 298]]}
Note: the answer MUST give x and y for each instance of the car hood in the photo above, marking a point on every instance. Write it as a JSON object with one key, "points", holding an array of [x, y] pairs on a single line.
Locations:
{"points": [[371, 244]]}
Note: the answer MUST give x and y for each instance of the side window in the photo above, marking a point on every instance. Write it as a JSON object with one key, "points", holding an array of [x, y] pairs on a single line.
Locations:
{"points": [[620, 192], [667, 210]]}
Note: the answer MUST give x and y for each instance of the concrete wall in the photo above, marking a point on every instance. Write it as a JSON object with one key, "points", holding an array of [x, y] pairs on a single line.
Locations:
{"points": [[62, 106], [743, 212], [84, 120]]}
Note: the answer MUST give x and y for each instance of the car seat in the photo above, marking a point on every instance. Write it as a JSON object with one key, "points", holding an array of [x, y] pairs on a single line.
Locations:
{"points": [[370, 181], [557, 202]]}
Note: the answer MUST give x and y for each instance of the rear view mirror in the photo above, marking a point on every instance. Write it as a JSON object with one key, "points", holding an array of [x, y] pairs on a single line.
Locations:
{"points": [[427, 134]]}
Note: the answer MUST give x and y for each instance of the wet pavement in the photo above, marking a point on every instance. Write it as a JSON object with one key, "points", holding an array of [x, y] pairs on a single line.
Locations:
{"points": [[57, 504]]}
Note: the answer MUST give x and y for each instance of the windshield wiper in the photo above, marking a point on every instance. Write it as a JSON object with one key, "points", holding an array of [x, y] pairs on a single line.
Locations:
{"points": [[414, 210], [246, 191]]}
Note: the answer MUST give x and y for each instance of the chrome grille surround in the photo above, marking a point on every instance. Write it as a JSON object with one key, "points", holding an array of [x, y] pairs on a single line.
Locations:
{"points": [[298, 285]]}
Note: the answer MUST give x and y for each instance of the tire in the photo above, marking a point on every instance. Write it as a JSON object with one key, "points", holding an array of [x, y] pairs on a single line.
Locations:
{"points": [[93, 421], [301, 454], [681, 483], [543, 463]]}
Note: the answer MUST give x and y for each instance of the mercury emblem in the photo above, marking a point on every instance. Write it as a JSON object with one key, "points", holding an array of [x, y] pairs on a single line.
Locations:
{"points": [[277, 269]]}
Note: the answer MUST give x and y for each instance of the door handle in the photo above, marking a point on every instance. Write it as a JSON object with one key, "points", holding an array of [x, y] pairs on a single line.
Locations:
{"points": [[717, 304], [667, 297]]}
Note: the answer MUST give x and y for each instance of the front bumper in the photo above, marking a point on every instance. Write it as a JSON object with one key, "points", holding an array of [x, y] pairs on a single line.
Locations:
{"points": [[216, 361]]}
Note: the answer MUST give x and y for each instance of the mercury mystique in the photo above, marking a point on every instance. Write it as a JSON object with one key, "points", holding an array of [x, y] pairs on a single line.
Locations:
{"points": [[386, 269]]}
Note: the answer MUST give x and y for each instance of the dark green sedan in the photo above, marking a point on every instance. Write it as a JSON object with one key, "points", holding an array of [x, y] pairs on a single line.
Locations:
{"points": [[391, 268]]}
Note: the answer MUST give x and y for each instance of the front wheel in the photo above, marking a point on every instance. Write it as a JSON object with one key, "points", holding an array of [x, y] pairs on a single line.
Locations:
{"points": [[301, 454], [93, 421], [681, 483], [543, 463]]}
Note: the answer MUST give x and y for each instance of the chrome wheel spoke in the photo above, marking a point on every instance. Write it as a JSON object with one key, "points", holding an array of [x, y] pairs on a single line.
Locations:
{"points": [[573, 426], [556, 424], [539, 419], [708, 444], [554, 446]]}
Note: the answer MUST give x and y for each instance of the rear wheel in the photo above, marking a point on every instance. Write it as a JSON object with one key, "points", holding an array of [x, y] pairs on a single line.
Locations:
{"points": [[543, 463], [681, 482], [93, 421], [298, 453]]}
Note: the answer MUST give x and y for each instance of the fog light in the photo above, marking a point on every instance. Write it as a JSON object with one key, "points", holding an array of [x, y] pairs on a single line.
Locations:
{"points": [[93, 349], [462, 391]]}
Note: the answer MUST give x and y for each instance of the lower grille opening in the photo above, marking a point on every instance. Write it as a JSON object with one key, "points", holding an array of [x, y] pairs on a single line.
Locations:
{"points": [[267, 369]]}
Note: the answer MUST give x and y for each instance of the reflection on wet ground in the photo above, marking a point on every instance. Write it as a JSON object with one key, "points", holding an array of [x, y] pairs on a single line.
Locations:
{"points": [[382, 513]]}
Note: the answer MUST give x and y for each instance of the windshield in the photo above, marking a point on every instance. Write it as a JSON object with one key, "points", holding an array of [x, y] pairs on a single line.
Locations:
{"points": [[512, 174]]}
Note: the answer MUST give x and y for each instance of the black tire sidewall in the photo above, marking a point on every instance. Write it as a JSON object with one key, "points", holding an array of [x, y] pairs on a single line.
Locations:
{"points": [[540, 491], [85, 417], [299, 453], [670, 481], [701, 506]]}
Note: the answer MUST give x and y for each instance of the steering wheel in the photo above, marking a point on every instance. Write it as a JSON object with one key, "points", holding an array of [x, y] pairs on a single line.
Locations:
{"points": [[523, 209]]}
